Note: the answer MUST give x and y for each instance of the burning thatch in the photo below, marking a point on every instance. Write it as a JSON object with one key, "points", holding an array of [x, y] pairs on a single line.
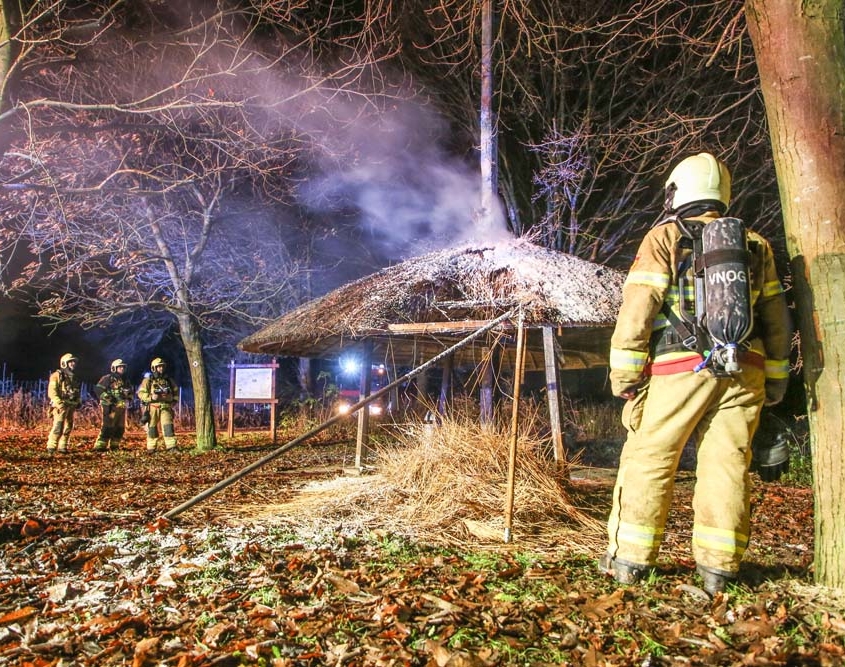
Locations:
{"points": [[426, 300]]}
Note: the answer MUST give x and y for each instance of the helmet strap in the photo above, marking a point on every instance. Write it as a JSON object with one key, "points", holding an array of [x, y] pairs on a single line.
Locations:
{"points": [[695, 208], [669, 197]]}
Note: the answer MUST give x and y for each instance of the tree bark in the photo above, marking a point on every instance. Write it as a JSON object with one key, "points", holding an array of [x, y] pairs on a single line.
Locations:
{"points": [[800, 52], [486, 122], [203, 408], [9, 48]]}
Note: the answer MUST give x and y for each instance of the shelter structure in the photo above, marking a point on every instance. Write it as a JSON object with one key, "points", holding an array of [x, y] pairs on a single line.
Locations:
{"points": [[409, 312]]}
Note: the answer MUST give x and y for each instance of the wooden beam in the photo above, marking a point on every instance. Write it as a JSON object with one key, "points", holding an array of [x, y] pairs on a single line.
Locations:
{"points": [[441, 327], [517, 383], [362, 440], [553, 396]]}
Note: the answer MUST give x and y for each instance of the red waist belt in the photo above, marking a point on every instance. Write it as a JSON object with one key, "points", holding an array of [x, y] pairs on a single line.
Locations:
{"points": [[684, 364]]}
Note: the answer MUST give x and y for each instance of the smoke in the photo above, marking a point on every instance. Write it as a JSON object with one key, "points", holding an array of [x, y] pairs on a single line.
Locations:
{"points": [[381, 161], [406, 192]]}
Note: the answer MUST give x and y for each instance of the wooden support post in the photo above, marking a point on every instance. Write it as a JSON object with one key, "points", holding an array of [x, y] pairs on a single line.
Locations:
{"points": [[274, 367], [362, 440], [231, 430], [486, 400], [554, 399], [445, 386], [517, 383]]}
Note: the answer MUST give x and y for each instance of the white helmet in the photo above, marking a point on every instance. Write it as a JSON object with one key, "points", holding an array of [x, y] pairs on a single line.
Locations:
{"points": [[699, 179], [66, 359], [116, 363]]}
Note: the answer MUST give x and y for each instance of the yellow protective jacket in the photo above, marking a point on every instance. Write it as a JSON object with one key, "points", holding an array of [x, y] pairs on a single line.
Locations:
{"points": [[653, 280], [157, 390], [64, 389]]}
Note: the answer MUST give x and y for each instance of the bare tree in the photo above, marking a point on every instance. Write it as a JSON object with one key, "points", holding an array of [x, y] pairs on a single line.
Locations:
{"points": [[155, 149], [593, 101]]}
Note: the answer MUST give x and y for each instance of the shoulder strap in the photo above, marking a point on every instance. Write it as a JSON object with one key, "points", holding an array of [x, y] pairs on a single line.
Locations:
{"points": [[688, 339]]}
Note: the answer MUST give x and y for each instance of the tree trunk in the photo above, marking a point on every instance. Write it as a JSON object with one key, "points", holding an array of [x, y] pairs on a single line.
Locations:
{"points": [[203, 407], [800, 51], [9, 48], [486, 122]]}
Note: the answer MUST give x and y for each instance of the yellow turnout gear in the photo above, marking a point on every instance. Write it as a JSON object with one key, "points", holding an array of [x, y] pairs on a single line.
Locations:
{"points": [[670, 403]]}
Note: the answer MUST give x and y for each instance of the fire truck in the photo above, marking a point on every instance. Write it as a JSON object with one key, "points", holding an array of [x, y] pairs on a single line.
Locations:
{"points": [[348, 384]]}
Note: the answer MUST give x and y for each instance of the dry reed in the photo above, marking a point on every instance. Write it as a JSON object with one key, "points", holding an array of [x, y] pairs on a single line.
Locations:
{"points": [[446, 484]]}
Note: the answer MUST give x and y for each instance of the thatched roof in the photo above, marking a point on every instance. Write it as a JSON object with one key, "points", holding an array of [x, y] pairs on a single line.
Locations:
{"points": [[424, 304]]}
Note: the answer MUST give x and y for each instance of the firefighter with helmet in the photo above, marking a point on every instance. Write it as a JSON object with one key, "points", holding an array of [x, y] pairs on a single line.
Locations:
{"points": [[64, 392], [158, 393], [114, 390], [671, 396]]}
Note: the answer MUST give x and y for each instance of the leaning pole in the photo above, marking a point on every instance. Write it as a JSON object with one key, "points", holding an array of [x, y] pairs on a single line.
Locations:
{"points": [[176, 511]]}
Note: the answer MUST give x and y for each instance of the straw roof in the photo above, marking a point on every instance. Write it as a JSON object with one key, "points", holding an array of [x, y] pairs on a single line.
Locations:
{"points": [[424, 304]]}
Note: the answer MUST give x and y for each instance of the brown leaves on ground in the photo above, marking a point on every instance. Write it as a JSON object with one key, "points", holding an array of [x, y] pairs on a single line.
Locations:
{"points": [[98, 579]]}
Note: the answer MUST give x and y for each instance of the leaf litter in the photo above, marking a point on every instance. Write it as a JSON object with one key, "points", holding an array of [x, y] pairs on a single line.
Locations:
{"points": [[299, 564]]}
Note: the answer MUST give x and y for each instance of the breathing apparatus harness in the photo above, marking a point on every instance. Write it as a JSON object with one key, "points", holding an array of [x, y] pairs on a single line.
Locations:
{"points": [[714, 315]]}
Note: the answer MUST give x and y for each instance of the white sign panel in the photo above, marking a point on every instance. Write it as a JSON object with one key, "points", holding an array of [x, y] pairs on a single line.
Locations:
{"points": [[254, 383]]}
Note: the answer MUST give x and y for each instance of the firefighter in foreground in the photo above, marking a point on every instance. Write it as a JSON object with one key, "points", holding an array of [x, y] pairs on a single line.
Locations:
{"points": [[158, 393], [680, 381], [63, 390], [113, 390]]}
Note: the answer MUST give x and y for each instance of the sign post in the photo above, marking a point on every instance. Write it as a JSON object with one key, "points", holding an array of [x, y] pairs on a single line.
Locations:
{"points": [[253, 383]]}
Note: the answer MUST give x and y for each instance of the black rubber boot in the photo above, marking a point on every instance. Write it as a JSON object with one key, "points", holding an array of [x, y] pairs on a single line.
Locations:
{"points": [[715, 581], [623, 571]]}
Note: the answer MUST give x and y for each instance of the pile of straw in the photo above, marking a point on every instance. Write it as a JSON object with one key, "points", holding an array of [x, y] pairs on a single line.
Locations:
{"points": [[447, 484]]}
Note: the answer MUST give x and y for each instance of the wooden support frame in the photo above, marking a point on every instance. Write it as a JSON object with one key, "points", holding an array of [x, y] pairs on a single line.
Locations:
{"points": [[553, 397], [519, 367], [365, 383]]}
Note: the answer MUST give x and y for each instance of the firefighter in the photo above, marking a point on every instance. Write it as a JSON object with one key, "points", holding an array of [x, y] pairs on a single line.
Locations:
{"points": [[158, 393], [668, 401], [63, 390], [113, 390]]}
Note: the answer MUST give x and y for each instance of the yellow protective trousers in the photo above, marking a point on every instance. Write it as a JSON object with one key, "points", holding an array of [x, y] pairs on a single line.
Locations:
{"points": [[114, 426], [722, 414], [59, 437], [161, 414]]}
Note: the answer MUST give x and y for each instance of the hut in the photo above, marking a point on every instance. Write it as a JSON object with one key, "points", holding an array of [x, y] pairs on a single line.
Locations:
{"points": [[407, 313]]}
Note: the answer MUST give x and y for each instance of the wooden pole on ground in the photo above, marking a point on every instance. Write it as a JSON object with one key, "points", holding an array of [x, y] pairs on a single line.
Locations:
{"points": [[176, 511], [517, 382]]}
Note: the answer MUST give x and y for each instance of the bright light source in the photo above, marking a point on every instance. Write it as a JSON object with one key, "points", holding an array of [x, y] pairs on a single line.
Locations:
{"points": [[350, 365], [343, 408]]}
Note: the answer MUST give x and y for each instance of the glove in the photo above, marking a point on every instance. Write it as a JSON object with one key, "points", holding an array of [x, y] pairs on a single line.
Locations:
{"points": [[775, 390], [770, 455], [145, 416]]}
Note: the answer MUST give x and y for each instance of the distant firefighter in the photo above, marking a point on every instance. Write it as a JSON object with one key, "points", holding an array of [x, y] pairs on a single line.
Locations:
{"points": [[113, 390], [158, 393], [63, 390]]}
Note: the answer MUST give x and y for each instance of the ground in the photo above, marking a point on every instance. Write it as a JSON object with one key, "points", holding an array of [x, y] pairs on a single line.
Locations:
{"points": [[91, 574]]}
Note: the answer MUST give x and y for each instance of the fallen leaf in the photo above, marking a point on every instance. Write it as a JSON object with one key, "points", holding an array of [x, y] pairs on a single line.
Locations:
{"points": [[341, 584], [32, 527], [215, 634], [18, 615], [143, 649]]}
